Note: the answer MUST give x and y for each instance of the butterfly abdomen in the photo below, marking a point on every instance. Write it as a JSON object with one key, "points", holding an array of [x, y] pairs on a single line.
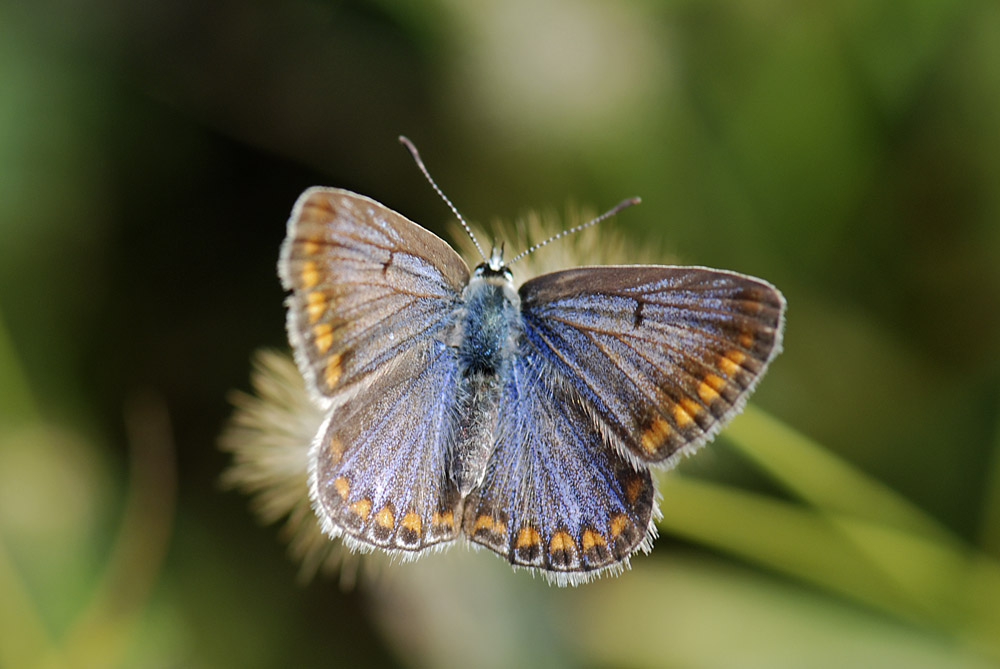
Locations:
{"points": [[485, 340]]}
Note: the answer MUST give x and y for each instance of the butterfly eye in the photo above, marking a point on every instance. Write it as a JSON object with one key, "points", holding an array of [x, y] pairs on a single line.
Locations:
{"points": [[487, 271]]}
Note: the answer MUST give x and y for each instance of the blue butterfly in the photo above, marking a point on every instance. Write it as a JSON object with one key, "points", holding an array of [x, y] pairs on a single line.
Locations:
{"points": [[524, 420]]}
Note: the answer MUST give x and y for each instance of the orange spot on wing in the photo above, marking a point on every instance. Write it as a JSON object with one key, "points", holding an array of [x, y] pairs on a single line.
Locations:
{"points": [[619, 524], [385, 518], [315, 305], [310, 274], [309, 246], [362, 507], [443, 519], [342, 486], [323, 337], [561, 541], [709, 389], [731, 362], [591, 539], [654, 435], [336, 450], [411, 521], [332, 372], [746, 339], [685, 411], [528, 536], [633, 488], [488, 523]]}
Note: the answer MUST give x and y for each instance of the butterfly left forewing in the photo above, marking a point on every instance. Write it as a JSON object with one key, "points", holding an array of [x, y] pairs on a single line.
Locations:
{"points": [[662, 356], [366, 283]]}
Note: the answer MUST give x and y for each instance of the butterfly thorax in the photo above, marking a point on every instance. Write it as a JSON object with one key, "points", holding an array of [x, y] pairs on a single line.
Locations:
{"points": [[486, 340], [491, 316]]}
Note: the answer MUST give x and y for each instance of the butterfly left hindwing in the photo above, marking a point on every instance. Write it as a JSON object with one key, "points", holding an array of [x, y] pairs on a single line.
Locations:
{"points": [[379, 464], [373, 298]]}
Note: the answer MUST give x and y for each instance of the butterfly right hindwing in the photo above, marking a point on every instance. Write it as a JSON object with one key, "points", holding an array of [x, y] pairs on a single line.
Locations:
{"points": [[555, 496]]}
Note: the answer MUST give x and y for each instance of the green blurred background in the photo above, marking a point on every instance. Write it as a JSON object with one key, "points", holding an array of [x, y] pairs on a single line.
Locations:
{"points": [[849, 152]]}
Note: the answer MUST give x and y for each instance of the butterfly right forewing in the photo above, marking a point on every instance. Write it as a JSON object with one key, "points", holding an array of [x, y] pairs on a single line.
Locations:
{"points": [[663, 356]]}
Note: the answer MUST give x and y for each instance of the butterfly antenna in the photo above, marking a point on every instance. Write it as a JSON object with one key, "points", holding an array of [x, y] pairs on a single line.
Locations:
{"points": [[594, 221], [416, 157]]}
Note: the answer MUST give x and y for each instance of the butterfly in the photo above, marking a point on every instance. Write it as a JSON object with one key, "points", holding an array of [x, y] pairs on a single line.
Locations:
{"points": [[526, 420]]}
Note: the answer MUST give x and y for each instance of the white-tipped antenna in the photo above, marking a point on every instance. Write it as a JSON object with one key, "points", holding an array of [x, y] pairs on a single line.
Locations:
{"points": [[594, 221], [416, 157]]}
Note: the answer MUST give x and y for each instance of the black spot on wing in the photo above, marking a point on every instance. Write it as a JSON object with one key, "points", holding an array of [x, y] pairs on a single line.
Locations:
{"points": [[637, 315]]}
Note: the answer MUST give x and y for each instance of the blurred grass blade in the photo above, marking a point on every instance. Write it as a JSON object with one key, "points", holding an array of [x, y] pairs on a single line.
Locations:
{"points": [[17, 405], [694, 610], [100, 635], [789, 538], [24, 635], [989, 535], [956, 589], [818, 476], [907, 574]]}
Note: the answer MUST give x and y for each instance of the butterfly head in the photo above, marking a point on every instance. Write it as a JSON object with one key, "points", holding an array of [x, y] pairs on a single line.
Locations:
{"points": [[494, 269]]}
